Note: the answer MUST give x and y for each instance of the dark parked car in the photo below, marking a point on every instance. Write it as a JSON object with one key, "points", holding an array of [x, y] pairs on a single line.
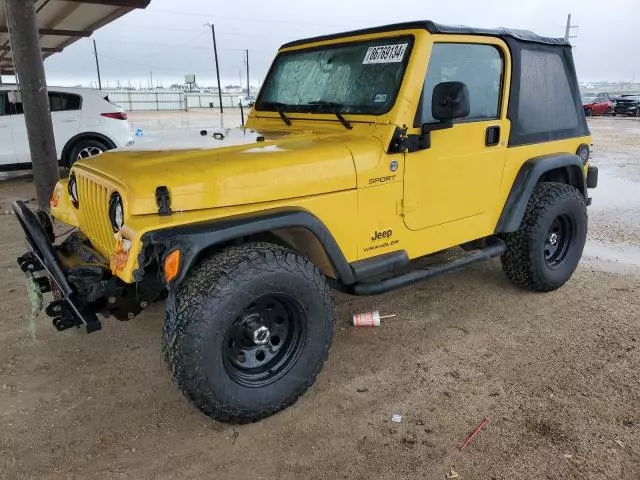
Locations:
{"points": [[628, 105]]}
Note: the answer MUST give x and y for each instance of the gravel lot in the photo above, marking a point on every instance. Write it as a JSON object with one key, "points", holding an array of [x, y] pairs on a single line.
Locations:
{"points": [[557, 375]]}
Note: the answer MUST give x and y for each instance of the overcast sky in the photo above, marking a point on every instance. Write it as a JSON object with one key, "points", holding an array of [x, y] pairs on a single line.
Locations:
{"points": [[170, 39]]}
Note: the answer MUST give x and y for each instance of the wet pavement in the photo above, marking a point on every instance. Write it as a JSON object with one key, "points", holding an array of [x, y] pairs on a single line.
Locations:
{"points": [[614, 217]]}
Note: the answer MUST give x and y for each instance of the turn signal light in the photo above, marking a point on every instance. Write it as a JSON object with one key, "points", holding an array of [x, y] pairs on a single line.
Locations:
{"points": [[55, 198], [171, 265]]}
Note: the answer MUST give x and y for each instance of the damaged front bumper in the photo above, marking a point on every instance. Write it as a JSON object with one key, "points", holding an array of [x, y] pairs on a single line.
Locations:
{"points": [[79, 277]]}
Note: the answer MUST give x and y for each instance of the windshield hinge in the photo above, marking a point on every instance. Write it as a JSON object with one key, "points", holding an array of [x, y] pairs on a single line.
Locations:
{"points": [[163, 200], [403, 143]]}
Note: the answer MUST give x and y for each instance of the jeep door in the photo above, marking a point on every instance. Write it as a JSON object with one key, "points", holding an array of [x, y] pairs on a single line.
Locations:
{"points": [[455, 182]]}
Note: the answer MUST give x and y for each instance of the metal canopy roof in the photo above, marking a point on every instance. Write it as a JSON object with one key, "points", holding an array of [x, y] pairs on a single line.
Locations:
{"points": [[62, 22]]}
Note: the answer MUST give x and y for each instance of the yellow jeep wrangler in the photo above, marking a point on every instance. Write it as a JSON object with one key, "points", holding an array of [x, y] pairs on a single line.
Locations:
{"points": [[365, 152]]}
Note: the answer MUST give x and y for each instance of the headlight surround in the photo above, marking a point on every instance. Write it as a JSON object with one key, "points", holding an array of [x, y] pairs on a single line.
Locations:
{"points": [[116, 212], [72, 188]]}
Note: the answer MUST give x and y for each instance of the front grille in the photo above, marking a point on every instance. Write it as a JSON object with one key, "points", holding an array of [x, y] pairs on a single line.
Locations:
{"points": [[93, 202]]}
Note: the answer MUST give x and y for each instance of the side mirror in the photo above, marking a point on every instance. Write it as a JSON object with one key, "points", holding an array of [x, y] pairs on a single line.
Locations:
{"points": [[14, 97], [450, 100]]}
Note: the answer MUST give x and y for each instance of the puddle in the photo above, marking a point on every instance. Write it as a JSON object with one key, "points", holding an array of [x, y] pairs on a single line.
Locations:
{"points": [[615, 191], [614, 258]]}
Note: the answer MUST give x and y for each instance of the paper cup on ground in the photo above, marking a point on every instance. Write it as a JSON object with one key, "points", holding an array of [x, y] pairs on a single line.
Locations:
{"points": [[366, 319]]}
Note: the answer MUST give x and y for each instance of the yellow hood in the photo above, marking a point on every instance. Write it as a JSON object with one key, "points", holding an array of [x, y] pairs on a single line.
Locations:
{"points": [[234, 168]]}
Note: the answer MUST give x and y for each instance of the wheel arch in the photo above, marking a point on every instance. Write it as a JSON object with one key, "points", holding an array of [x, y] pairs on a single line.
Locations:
{"points": [[561, 168], [73, 141], [298, 230]]}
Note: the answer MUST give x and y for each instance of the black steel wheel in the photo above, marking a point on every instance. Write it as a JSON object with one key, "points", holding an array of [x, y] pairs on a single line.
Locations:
{"points": [[559, 240], [544, 252], [248, 330], [265, 340]]}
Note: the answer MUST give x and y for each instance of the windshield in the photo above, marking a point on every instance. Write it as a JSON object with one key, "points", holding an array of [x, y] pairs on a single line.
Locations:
{"points": [[588, 98], [359, 78]]}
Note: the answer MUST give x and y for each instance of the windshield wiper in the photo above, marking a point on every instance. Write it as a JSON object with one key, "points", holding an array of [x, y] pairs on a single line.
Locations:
{"points": [[334, 107], [280, 109]]}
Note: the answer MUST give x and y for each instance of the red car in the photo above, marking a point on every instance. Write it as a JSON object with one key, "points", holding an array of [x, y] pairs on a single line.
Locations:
{"points": [[598, 105]]}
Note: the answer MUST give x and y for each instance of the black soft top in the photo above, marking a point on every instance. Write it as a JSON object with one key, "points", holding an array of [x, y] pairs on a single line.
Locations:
{"points": [[432, 27]]}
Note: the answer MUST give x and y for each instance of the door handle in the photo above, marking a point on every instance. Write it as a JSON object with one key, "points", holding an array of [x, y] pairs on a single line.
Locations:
{"points": [[68, 120], [492, 137]]}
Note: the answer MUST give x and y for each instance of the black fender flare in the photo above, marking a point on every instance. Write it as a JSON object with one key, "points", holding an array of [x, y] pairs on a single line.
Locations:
{"points": [[193, 239], [84, 136], [528, 177]]}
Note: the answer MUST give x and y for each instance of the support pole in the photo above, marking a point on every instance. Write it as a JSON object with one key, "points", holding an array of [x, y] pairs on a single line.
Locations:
{"points": [[215, 53], [25, 44], [95, 52], [248, 85], [569, 29], [567, 32]]}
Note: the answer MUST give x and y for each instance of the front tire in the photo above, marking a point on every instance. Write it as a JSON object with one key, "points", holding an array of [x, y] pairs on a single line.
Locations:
{"points": [[247, 331], [543, 254]]}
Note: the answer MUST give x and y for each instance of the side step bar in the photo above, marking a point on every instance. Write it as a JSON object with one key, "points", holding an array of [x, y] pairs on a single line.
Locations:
{"points": [[495, 247]]}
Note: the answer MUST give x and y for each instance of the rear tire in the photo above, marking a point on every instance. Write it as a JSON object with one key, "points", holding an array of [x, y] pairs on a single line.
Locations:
{"points": [[85, 149], [247, 331], [588, 112], [543, 254]]}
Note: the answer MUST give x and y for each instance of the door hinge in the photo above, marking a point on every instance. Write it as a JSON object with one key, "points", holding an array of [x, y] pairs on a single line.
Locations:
{"points": [[401, 142]]}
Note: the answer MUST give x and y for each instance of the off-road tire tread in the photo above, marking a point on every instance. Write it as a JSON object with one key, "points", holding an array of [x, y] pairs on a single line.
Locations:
{"points": [[516, 260], [184, 325]]}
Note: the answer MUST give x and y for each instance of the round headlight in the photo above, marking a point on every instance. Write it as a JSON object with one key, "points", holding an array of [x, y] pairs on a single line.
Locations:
{"points": [[116, 212], [72, 187]]}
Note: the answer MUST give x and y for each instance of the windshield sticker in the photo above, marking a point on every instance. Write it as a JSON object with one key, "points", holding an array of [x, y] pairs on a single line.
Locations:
{"points": [[385, 54], [380, 98]]}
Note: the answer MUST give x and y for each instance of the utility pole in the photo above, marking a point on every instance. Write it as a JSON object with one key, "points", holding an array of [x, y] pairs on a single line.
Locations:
{"points": [[151, 80], [25, 45], [215, 53], [95, 52], [247, 60], [567, 32]]}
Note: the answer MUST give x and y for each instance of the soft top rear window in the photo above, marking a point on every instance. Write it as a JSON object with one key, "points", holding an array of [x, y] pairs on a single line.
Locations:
{"points": [[358, 77]]}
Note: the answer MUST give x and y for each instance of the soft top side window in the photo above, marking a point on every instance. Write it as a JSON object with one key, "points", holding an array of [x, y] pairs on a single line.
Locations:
{"points": [[478, 66]]}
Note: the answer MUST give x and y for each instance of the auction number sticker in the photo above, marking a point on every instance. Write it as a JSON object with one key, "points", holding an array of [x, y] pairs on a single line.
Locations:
{"points": [[385, 54]]}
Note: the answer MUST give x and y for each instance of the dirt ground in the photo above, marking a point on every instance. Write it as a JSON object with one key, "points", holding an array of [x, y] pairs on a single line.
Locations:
{"points": [[557, 375]]}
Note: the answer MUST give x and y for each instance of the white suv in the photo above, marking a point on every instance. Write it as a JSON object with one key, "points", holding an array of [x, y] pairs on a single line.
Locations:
{"points": [[85, 123]]}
